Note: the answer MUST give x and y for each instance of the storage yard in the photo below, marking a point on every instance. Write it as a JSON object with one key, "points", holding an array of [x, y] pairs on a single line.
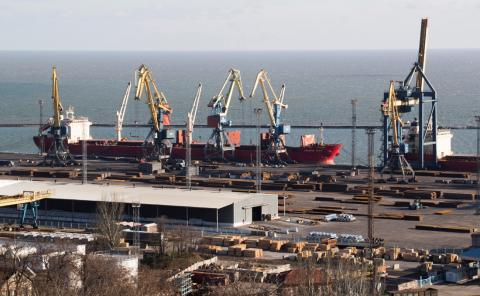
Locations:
{"points": [[266, 218]]}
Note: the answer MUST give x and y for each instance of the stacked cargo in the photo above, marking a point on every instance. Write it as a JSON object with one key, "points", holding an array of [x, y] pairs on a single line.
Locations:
{"points": [[276, 246], [253, 253], [236, 250]]}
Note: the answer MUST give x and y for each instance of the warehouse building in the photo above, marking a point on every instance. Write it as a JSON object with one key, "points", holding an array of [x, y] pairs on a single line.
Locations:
{"points": [[199, 207]]}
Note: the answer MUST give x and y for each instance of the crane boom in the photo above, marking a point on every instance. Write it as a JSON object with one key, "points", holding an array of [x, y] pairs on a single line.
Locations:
{"points": [[58, 153], [221, 102], [274, 105], [196, 100], [159, 111], [57, 104], [390, 109], [422, 52], [219, 141], [265, 83], [121, 112], [155, 99]]}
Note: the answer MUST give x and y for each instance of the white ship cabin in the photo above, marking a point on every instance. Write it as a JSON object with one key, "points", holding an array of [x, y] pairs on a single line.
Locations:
{"points": [[77, 128], [444, 140]]}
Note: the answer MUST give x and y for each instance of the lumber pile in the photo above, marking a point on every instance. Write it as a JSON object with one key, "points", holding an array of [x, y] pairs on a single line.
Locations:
{"points": [[251, 243], [236, 250], [253, 253], [294, 247], [276, 246]]}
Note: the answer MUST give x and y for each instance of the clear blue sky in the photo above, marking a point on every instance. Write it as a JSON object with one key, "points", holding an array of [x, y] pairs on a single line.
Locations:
{"points": [[235, 25]]}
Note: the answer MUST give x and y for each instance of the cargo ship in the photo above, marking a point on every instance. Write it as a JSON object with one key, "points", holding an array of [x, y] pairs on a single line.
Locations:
{"points": [[447, 159], [77, 129]]}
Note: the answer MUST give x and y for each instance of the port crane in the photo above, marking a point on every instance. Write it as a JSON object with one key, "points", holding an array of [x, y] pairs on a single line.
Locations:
{"points": [[415, 90], [27, 200], [58, 153], [276, 151], [397, 160], [121, 113], [191, 116], [219, 141], [159, 136]]}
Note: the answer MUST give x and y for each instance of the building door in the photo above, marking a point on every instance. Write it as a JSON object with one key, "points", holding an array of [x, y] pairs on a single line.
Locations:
{"points": [[257, 213]]}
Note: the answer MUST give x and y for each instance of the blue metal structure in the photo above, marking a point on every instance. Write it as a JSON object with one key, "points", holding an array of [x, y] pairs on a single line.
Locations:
{"points": [[408, 95], [33, 206], [276, 151]]}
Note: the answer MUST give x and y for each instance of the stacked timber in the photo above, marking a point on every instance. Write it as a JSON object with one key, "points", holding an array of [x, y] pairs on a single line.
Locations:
{"points": [[392, 253], [304, 255], [310, 247], [294, 247], [276, 246], [251, 243], [236, 250], [253, 253], [264, 243]]}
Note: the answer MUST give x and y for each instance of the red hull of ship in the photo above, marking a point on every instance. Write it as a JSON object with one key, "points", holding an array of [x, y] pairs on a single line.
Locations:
{"points": [[456, 163], [314, 154]]}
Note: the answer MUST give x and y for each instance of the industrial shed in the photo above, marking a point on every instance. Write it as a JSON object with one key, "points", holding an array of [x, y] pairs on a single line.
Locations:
{"points": [[201, 207]]}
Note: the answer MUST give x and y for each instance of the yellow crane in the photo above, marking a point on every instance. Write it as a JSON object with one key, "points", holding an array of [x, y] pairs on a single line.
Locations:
{"points": [[276, 151], [27, 200], [159, 136], [397, 159], [219, 142], [58, 153]]}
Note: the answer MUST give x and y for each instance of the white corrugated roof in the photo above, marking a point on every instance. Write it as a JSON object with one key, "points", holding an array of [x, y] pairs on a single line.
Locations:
{"points": [[127, 194]]}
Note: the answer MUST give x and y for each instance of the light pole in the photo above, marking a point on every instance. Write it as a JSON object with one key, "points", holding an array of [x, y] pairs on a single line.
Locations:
{"points": [[477, 211], [258, 112], [42, 144], [284, 204]]}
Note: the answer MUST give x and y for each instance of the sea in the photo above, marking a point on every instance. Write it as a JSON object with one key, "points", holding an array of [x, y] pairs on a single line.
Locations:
{"points": [[319, 88]]}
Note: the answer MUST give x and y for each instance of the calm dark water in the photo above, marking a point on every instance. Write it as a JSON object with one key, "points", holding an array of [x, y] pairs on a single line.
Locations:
{"points": [[319, 87]]}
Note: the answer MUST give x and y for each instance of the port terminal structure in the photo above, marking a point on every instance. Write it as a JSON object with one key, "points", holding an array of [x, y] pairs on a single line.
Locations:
{"points": [[218, 208], [409, 93], [25, 201]]}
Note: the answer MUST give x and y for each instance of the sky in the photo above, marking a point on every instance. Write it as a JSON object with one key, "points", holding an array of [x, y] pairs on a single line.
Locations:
{"points": [[206, 25]]}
